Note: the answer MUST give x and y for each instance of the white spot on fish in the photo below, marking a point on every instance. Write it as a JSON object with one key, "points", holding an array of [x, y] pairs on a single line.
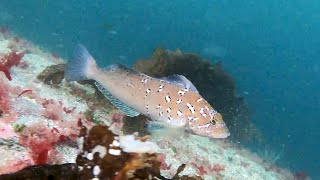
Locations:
{"points": [[168, 110], [148, 91], [169, 118], [168, 99], [158, 106], [144, 81], [204, 126], [191, 119], [130, 84], [160, 113], [202, 112], [191, 108], [179, 113], [179, 101], [199, 100], [160, 88], [181, 92]]}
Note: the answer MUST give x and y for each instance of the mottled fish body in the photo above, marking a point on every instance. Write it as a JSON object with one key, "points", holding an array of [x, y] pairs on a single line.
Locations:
{"points": [[171, 102]]}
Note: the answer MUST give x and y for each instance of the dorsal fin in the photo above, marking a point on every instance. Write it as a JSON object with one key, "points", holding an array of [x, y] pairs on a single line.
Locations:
{"points": [[181, 81], [120, 105], [120, 67]]}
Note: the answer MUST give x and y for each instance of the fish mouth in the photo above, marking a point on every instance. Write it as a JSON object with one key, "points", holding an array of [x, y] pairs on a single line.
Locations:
{"points": [[221, 136], [218, 131]]}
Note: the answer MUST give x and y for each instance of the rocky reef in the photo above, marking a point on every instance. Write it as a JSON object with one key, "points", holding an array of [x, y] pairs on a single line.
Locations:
{"points": [[48, 127], [104, 155]]}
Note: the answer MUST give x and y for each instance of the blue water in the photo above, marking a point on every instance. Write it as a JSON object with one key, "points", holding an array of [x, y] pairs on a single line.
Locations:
{"points": [[271, 48]]}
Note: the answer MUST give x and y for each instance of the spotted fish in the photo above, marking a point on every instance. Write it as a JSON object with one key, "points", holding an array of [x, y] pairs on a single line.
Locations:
{"points": [[171, 102]]}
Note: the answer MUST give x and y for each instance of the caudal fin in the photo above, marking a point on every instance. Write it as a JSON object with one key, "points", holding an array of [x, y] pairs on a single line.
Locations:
{"points": [[79, 66]]}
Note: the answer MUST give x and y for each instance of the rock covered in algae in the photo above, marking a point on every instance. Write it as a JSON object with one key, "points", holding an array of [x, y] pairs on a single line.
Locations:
{"points": [[213, 83], [104, 155], [101, 156], [53, 74]]}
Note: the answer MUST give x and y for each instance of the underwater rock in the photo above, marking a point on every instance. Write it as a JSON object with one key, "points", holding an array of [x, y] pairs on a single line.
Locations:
{"points": [[104, 155], [135, 124], [213, 83], [64, 171], [53, 74], [101, 156]]}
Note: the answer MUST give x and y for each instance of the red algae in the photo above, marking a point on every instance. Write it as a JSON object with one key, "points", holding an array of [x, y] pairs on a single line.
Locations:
{"points": [[4, 97], [12, 59], [6, 72], [28, 91], [8, 60]]}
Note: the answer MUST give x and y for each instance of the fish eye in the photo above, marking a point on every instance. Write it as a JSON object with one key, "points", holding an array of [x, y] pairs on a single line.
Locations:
{"points": [[213, 122]]}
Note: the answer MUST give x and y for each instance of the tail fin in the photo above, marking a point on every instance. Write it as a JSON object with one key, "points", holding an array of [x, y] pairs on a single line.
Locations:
{"points": [[79, 65]]}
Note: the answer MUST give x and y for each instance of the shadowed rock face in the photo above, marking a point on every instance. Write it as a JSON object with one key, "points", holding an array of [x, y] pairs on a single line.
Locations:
{"points": [[213, 83], [64, 171]]}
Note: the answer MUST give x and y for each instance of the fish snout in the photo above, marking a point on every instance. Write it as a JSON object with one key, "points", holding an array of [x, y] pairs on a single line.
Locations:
{"points": [[218, 130]]}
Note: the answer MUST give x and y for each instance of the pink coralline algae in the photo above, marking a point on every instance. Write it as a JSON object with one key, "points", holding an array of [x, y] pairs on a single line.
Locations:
{"points": [[6, 131], [4, 97], [40, 140], [213, 171], [52, 109]]}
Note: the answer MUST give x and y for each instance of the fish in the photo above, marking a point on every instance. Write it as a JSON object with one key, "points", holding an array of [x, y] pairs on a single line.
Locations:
{"points": [[170, 102]]}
